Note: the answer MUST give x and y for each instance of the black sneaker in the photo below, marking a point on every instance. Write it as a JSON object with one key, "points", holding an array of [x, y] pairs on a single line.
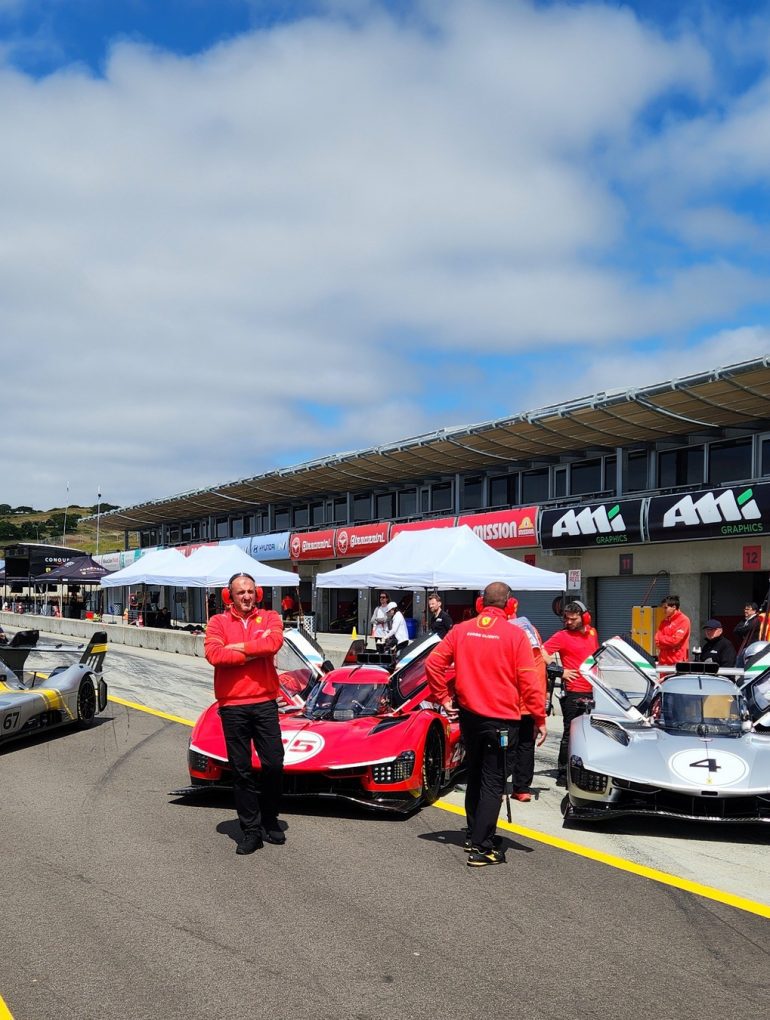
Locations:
{"points": [[497, 842], [273, 833], [251, 841], [482, 858]]}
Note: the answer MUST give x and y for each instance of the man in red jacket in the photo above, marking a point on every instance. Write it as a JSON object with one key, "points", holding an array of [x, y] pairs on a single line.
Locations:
{"points": [[496, 682], [240, 644], [672, 638], [573, 644]]}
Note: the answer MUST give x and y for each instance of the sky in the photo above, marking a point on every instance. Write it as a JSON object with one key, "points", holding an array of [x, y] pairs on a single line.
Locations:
{"points": [[237, 235]]}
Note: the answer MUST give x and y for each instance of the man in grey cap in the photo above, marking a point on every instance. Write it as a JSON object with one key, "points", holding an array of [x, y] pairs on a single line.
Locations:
{"points": [[716, 648]]}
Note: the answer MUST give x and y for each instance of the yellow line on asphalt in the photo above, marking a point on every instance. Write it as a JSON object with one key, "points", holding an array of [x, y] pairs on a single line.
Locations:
{"points": [[707, 891], [149, 711], [5, 1013]]}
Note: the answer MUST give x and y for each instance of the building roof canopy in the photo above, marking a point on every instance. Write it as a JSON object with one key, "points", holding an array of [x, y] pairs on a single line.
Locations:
{"points": [[736, 396]]}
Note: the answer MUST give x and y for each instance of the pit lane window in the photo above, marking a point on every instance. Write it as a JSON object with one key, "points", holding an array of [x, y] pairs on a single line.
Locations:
{"points": [[702, 714], [345, 700], [620, 679]]}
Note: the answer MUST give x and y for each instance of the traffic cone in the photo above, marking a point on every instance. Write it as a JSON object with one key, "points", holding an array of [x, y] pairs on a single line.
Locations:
{"points": [[354, 635]]}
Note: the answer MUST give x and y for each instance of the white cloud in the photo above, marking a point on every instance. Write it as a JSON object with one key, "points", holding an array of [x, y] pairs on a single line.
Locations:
{"points": [[206, 263]]}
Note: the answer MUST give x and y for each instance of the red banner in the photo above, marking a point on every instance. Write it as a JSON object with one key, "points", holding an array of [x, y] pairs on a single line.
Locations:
{"points": [[312, 545], [361, 540], [505, 529], [437, 522]]}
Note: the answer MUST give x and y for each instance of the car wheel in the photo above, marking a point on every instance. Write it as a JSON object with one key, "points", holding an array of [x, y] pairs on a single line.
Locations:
{"points": [[86, 702], [432, 765]]}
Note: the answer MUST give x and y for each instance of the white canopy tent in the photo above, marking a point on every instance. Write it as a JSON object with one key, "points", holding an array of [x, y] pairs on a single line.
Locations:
{"points": [[212, 566], [158, 567], [440, 558]]}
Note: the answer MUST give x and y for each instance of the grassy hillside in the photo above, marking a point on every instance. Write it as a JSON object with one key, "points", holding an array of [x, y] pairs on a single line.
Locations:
{"points": [[48, 526]]}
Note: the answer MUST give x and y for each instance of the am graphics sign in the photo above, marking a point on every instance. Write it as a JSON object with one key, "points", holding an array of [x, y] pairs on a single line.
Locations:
{"points": [[737, 512], [615, 522]]}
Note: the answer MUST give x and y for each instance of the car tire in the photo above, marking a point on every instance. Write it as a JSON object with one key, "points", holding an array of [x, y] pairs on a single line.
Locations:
{"points": [[432, 765], [86, 706]]}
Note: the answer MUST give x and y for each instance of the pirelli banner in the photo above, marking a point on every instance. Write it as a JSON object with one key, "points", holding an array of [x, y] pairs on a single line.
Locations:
{"points": [[616, 522], [742, 511]]}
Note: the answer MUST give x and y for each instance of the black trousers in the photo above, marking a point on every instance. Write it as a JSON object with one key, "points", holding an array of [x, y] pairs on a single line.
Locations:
{"points": [[488, 766], [257, 723], [573, 704], [524, 758]]}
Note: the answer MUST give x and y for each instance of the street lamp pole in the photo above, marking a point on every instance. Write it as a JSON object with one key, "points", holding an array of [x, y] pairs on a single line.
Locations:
{"points": [[64, 536], [98, 503]]}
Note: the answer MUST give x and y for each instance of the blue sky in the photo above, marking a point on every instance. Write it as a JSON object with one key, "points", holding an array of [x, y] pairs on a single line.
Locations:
{"points": [[238, 234]]}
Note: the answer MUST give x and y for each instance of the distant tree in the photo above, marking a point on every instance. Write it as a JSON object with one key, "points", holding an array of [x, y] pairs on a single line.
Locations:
{"points": [[8, 530], [102, 508], [24, 510], [55, 523], [5, 508]]}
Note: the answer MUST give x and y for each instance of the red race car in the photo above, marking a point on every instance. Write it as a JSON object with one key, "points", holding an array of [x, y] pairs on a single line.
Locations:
{"points": [[362, 732]]}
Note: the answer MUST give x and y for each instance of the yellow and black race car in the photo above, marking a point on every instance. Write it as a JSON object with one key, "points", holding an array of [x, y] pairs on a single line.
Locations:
{"points": [[34, 699]]}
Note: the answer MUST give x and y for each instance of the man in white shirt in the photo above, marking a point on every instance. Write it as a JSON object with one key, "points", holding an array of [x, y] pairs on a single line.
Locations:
{"points": [[397, 633]]}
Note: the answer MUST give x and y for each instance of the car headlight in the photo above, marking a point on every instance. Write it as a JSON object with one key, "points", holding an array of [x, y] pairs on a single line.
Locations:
{"points": [[586, 779], [196, 761], [395, 771]]}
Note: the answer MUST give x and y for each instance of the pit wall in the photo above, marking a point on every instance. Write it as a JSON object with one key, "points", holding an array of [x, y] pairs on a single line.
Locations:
{"points": [[118, 633]]}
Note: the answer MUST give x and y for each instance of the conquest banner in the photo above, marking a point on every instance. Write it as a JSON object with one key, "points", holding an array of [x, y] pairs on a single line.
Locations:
{"points": [[312, 545], [615, 522], [742, 511], [362, 539], [504, 529]]}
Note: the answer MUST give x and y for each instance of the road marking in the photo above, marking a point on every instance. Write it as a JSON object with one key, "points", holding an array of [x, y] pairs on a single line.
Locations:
{"points": [[5, 1013], [149, 711], [663, 877]]}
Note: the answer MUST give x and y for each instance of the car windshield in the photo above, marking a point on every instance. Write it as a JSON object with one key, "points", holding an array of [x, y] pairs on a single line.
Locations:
{"points": [[343, 699], [294, 673], [703, 714]]}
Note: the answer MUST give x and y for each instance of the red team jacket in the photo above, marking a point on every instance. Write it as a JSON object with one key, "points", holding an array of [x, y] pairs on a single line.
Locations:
{"points": [[238, 680], [673, 639], [496, 672]]}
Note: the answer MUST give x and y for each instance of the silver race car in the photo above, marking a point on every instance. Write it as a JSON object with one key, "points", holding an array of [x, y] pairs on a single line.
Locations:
{"points": [[38, 692], [692, 745]]}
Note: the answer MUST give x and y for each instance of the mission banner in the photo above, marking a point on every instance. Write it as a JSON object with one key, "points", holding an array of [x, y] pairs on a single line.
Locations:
{"points": [[615, 522], [742, 511]]}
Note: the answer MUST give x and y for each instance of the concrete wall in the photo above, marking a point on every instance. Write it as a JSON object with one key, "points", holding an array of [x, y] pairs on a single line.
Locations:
{"points": [[334, 645]]}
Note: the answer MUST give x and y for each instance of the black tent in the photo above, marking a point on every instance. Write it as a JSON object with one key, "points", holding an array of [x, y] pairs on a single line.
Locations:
{"points": [[80, 570]]}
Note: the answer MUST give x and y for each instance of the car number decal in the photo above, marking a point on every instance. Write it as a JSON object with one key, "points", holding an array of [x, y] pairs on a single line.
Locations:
{"points": [[10, 721], [299, 745], [714, 768]]}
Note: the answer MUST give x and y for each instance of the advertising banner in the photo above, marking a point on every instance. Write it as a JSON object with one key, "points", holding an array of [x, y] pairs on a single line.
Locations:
{"points": [[312, 545], [741, 511], [361, 540], [614, 522], [504, 529], [269, 547], [436, 522]]}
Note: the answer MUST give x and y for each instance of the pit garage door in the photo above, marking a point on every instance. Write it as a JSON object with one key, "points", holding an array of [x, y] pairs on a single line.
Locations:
{"points": [[615, 597], [536, 606]]}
